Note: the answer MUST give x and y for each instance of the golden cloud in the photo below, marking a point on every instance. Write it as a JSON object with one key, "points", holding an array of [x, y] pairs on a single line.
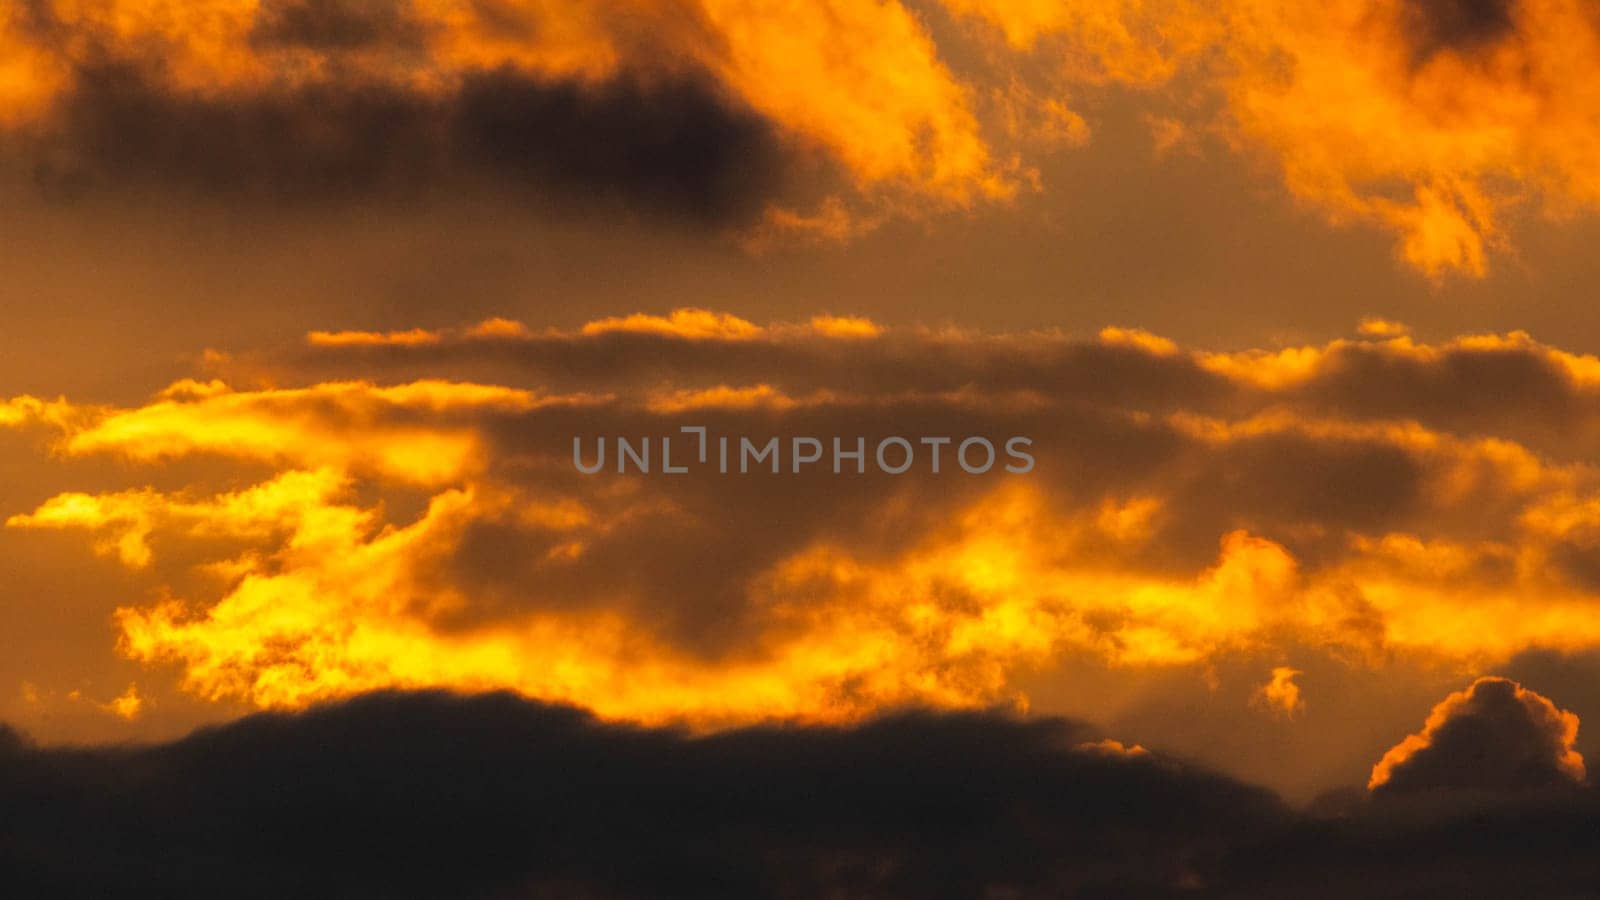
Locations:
{"points": [[300, 426], [1281, 695], [1435, 119], [1284, 499]]}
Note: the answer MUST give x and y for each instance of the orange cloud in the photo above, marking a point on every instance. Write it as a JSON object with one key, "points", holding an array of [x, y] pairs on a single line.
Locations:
{"points": [[1495, 735], [858, 80], [1431, 118], [845, 326], [1122, 40], [1374, 326], [1286, 499], [344, 612], [1467, 128], [303, 427], [721, 398], [685, 323], [864, 79], [1281, 696], [127, 705], [412, 338], [127, 519]]}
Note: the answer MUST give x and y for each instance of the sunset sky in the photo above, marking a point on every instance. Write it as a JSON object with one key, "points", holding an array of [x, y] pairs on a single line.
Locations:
{"points": [[307, 301]]}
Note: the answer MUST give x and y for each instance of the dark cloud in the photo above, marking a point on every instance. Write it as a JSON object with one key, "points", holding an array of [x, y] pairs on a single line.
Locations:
{"points": [[11, 742], [332, 25], [1543, 846], [670, 147], [1578, 563], [430, 795], [1061, 367], [434, 795], [1511, 387], [1347, 483], [1462, 26], [1496, 736], [1486, 389], [119, 128], [1577, 675], [687, 570]]}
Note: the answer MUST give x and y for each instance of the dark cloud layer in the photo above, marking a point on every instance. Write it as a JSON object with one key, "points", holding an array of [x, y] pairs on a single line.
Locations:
{"points": [[334, 127], [1462, 26], [1543, 846], [1502, 386], [334, 25], [676, 147], [672, 148], [430, 795]]}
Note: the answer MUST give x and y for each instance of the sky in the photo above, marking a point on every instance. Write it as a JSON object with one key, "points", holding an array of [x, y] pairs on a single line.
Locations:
{"points": [[311, 304]]}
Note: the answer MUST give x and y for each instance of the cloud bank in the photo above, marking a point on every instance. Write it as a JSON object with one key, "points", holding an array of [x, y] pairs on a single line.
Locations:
{"points": [[417, 795], [1374, 500], [1440, 121]]}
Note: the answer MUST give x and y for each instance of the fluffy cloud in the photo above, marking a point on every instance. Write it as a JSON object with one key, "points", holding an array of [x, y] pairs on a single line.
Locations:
{"points": [[1495, 735]]}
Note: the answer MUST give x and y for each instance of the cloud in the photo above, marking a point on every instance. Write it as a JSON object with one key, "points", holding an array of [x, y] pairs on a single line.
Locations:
{"points": [[1281, 696], [1439, 120], [1460, 26], [417, 795], [674, 148], [1504, 385], [337, 25], [1401, 848], [1495, 735], [695, 112], [318, 537], [1436, 119], [684, 323], [302, 425], [425, 794]]}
